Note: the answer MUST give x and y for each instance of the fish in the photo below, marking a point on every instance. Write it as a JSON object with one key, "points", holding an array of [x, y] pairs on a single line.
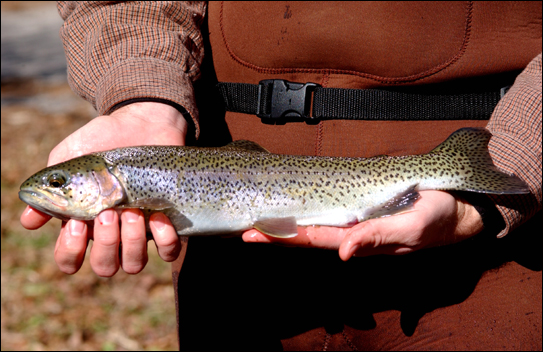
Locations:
{"points": [[231, 189]]}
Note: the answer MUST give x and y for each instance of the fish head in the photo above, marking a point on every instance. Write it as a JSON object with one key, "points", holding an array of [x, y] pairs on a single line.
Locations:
{"points": [[79, 189]]}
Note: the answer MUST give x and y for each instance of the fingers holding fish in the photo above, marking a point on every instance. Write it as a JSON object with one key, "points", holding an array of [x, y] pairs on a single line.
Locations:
{"points": [[114, 245], [32, 219], [378, 236], [434, 221], [104, 257], [165, 236], [71, 246], [325, 237], [133, 241]]}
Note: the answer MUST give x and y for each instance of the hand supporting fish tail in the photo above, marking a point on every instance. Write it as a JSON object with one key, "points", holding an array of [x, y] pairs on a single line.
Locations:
{"points": [[438, 218]]}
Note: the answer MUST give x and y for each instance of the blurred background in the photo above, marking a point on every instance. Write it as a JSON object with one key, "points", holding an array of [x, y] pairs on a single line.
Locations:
{"points": [[43, 308]]}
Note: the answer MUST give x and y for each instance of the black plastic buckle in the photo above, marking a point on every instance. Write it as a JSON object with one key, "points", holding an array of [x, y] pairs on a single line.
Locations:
{"points": [[288, 100]]}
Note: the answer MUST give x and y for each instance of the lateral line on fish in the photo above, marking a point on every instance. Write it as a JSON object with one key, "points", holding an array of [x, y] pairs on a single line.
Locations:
{"points": [[229, 172]]}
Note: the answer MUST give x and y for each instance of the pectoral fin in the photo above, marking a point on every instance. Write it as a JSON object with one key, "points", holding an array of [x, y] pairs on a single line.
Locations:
{"points": [[278, 227]]}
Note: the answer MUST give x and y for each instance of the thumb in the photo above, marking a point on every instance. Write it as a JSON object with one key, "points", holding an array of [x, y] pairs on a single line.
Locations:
{"points": [[365, 235], [391, 235]]}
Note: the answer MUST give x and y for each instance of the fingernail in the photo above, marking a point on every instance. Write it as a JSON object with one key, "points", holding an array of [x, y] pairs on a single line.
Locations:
{"points": [[131, 216], [159, 221], [353, 250], [76, 227], [106, 217]]}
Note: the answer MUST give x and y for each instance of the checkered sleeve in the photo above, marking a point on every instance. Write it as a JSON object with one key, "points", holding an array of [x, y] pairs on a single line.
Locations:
{"points": [[118, 51], [515, 146]]}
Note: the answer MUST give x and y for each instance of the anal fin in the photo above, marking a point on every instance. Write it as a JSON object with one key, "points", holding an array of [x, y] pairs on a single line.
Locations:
{"points": [[400, 203], [278, 227]]}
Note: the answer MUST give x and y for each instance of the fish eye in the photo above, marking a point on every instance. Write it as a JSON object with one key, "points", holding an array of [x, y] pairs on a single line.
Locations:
{"points": [[56, 180]]}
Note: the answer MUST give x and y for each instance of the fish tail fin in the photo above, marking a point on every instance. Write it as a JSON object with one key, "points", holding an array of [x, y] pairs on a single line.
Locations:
{"points": [[471, 167]]}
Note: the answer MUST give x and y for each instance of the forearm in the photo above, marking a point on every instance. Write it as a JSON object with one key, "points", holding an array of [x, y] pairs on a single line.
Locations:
{"points": [[516, 145], [132, 51]]}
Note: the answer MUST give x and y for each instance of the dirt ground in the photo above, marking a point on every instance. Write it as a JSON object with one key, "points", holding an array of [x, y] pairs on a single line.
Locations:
{"points": [[42, 308]]}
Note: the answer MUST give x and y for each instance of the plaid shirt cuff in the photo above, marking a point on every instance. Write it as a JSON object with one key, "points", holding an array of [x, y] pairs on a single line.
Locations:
{"points": [[516, 145], [146, 78]]}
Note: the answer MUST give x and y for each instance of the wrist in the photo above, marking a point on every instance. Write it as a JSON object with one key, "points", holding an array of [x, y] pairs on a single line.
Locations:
{"points": [[157, 116], [491, 218], [148, 110], [469, 222]]}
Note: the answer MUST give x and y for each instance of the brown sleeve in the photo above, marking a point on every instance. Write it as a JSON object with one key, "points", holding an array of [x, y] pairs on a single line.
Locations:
{"points": [[516, 144], [117, 51]]}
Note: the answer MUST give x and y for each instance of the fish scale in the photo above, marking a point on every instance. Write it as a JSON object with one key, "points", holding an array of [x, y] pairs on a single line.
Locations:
{"points": [[207, 191]]}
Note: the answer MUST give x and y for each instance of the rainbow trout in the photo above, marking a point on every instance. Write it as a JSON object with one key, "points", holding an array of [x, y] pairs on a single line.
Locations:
{"points": [[227, 190]]}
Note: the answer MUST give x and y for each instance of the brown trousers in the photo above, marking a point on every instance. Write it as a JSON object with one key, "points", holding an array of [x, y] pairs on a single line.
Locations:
{"points": [[481, 294]]}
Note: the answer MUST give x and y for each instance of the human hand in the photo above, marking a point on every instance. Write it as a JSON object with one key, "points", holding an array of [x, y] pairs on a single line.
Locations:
{"points": [[146, 123], [438, 218]]}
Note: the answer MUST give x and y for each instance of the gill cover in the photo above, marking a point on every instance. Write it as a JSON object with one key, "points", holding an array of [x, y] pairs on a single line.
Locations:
{"points": [[76, 189]]}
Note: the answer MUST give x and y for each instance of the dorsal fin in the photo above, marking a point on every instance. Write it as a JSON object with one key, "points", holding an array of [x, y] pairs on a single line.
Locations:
{"points": [[247, 146]]}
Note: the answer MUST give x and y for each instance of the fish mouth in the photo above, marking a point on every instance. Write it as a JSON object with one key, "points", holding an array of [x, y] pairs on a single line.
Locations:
{"points": [[50, 204]]}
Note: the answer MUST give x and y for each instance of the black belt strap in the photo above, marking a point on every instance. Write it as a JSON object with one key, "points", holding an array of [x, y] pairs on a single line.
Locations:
{"points": [[279, 100]]}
